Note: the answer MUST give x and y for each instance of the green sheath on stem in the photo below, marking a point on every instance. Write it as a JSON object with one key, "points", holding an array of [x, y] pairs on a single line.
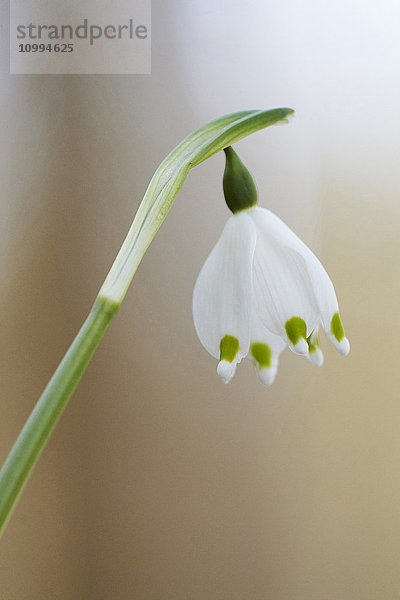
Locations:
{"points": [[162, 190]]}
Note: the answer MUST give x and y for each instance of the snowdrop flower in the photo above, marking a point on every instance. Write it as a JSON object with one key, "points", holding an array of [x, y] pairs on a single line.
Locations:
{"points": [[261, 288]]}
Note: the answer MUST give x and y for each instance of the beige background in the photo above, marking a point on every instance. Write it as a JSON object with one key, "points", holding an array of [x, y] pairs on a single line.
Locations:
{"points": [[160, 483]]}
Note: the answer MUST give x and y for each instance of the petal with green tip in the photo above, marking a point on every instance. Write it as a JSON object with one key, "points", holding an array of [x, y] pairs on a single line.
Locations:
{"points": [[265, 348], [282, 285], [222, 295], [337, 336]]}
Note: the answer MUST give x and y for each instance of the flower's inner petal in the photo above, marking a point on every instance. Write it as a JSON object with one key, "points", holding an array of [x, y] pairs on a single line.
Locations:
{"points": [[222, 296]]}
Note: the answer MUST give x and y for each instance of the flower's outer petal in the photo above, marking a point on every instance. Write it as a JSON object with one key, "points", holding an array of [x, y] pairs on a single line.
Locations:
{"points": [[283, 294], [311, 286], [265, 348], [222, 295]]}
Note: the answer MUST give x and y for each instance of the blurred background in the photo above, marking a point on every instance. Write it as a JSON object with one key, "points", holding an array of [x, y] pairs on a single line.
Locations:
{"points": [[160, 483]]}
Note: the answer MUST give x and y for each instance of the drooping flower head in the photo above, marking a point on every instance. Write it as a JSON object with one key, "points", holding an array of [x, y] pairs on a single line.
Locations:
{"points": [[261, 288]]}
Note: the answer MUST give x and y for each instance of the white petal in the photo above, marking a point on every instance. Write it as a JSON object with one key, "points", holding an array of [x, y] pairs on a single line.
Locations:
{"points": [[316, 358], [282, 285], [311, 285], [226, 370], [315, 355], [343, 347], [267, 376], [262, 340], [222, 294]]}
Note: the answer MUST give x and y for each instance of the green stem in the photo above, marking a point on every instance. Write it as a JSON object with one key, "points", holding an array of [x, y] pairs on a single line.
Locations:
{"points": [[50, 407], [163, 188]]}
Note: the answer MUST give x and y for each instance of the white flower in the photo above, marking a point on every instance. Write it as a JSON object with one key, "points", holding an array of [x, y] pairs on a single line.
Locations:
{"points": [[260, 289]]}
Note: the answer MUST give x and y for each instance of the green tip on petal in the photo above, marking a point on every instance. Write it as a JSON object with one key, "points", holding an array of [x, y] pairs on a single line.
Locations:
{"points": [[228, 348], [296, 329], [337, 327], [262, 354], [239, 187]]}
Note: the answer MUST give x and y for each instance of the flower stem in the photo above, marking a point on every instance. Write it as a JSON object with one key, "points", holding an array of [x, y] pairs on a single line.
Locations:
{"points": [[163, 188], [50, 406]]}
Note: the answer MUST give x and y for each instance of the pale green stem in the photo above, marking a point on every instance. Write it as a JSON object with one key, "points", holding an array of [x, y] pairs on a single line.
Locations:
{"points": [[50, 406], [162, 190]]}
